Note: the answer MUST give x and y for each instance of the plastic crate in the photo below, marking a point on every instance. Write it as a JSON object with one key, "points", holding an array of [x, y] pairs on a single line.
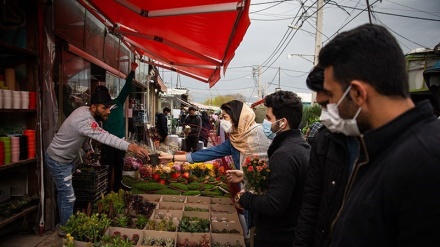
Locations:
{"points": [[91, 181]]}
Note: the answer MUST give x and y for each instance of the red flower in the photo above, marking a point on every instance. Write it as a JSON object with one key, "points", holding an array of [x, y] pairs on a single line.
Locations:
{"points": [[256, 174], [248, 160]]}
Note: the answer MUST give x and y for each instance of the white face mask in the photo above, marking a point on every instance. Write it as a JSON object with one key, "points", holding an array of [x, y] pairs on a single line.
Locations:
{"points": [[331, 119], [226, 125]]}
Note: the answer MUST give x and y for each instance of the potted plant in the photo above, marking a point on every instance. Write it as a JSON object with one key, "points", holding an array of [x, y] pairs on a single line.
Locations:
{"points": [[87, 229]]}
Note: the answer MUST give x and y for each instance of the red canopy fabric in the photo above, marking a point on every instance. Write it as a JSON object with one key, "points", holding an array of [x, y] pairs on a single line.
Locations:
{"points": [[193, 37]]}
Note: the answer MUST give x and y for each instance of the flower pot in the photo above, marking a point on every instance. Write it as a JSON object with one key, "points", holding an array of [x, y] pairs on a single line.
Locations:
{"points": [[154, 159]]}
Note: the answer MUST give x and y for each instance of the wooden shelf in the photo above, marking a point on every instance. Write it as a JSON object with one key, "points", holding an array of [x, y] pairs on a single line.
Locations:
{"points": [[12, 165], [14, 217], [17, 110]]}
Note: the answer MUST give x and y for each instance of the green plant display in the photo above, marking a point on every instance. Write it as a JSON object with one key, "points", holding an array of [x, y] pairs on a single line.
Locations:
{"points": [[120, 221], [191, 193], [161, 225], [87, 228], [148, 186], [178, 186], [193, 224], [158, 241], [117, 240], [141, 221], [237, 244], [167, 192], [212, 193], [195, 209], [196, 186]]}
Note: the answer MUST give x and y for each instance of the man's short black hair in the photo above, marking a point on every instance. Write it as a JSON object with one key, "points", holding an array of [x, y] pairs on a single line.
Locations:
{"points": [[191, 108], [371, 54], [315, 79], [286, 104], [166, 109]]}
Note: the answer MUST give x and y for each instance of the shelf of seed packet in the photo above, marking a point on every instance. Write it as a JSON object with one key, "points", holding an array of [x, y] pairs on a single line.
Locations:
{"points": [[188, 220]]}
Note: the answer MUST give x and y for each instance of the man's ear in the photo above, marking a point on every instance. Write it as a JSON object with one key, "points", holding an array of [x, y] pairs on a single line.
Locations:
{"points": [[359, 92]]}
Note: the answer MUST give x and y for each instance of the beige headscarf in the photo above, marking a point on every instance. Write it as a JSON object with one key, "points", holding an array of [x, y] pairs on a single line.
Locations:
{"points": [[246, 123]]}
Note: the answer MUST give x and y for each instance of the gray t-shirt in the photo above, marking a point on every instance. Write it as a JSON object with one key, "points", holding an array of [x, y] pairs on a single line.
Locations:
{"points": [[75, 130]]}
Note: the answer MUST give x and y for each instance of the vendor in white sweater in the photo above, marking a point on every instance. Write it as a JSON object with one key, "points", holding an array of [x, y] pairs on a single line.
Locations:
{"points": [[74, 133]]}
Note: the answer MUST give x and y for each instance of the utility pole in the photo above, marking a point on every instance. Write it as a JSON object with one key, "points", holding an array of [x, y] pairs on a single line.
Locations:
{"points": [[318, 37], [260, 93]]}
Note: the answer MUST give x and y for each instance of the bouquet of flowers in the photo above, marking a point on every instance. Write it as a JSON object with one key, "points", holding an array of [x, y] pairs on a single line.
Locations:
{"points": [[256, 175]]}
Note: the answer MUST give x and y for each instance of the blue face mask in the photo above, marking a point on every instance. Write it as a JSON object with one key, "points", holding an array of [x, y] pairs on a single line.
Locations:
{"points": [[267, 129]]}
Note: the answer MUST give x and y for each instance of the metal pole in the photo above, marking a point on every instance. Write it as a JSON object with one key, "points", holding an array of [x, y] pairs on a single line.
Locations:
{"points": [[318, 38]]}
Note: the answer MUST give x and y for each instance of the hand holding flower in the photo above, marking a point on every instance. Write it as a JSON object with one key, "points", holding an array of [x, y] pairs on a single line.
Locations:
{"points": [[234, 176]]}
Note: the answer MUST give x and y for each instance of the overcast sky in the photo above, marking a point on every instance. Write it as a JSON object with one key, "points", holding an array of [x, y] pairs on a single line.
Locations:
{"points": [[269, 40]]}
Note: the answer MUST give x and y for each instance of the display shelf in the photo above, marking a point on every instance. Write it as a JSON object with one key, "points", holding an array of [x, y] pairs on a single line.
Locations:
{"points": [[16, 164], [8, 49], [17, 110], [14, 217]]}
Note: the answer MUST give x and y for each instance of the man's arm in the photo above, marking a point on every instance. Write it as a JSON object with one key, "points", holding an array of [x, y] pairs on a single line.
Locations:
{"points": [[311, 200], [127, 86]]}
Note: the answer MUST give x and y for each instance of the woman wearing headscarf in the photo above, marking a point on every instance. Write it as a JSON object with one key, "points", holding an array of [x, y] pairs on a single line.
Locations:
{"points": [[246, 137]]}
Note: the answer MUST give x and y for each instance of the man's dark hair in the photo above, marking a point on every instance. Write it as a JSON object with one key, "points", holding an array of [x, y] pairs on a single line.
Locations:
{"points": [[233, 109], [315, 79], [368, 53], [166, 109], [286, 104]]}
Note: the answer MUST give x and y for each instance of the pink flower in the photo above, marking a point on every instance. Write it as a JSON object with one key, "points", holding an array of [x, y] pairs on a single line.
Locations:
{"points": [[259, 168], [250, 168]]}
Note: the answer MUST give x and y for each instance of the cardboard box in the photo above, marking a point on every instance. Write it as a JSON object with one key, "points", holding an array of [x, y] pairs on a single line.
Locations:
{"points": [[226, 228], [222, 209], [227, 218], [222, 201], [231, 239], [173, 198], [174, 221], [198, 199], [196, 237], [202, 215], [195, 207], [151, 197], [165, 213], [124, 231], [170, 205], [156, 234]]}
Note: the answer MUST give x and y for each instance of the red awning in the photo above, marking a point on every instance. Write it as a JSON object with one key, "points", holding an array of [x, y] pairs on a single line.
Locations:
{"points": [[193, 37]]}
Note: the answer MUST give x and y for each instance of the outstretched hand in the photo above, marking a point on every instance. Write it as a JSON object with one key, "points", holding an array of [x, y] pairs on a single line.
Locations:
{"points": [[165, 156], [234, 176]]}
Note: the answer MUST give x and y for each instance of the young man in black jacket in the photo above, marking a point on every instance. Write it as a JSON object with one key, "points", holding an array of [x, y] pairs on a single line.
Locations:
{"points": [[392, 197], [192, 127], [276, 212], [326, 178], [162, 123]]}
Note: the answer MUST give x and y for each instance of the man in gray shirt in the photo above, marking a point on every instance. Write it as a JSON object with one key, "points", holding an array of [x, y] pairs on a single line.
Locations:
{"points": [[75, 132]]}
